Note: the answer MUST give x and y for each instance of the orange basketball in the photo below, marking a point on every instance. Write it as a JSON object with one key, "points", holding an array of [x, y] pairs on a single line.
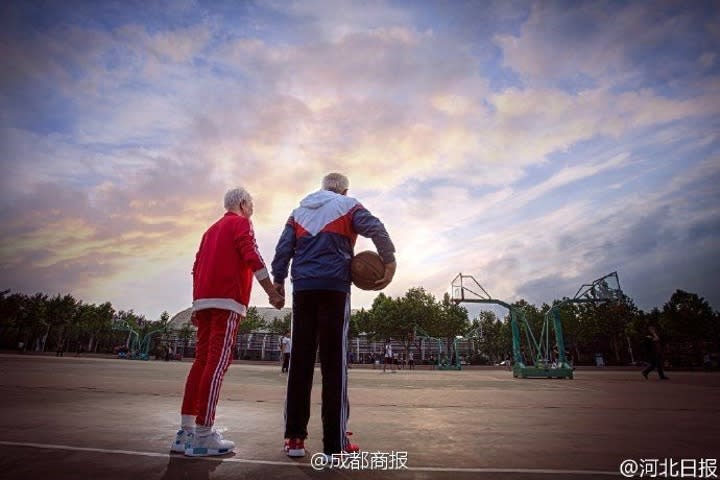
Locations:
{"points": [[366, 268]]}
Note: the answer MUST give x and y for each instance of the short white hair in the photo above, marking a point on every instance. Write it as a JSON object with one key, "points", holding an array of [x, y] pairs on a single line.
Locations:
{"points": [[235, 197], [335, 182]]}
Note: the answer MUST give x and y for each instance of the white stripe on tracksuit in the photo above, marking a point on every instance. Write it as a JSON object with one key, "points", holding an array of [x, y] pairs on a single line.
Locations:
{"points": [[223, 362], [287, 381], [344, 407]]}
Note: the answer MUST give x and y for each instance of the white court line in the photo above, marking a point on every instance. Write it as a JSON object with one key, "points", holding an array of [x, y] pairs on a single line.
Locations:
{"points": [[543, 471], [147, 454]]}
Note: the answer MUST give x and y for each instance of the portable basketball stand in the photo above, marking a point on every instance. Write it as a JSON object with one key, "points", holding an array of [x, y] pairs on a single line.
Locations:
{"points": [[465, 288], [444, 361], [139, 349]]}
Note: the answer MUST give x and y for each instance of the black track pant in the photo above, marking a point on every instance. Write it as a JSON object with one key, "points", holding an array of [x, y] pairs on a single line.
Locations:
{"points": [[320, 318], [655, 362], [286, 362]]}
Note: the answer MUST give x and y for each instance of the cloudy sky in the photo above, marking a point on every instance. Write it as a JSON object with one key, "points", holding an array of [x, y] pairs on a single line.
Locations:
{"points": [[534, 145]]}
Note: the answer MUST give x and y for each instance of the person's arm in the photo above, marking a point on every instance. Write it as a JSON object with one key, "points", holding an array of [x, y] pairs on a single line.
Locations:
{"points": [[284, 252], [195, 265], [247, 246], [370, 226], [197, 256], [275, 298]]}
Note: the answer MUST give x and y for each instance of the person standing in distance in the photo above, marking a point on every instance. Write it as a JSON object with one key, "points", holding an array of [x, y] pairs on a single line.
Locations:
{"points": [[389, 357], [285, 348], [654, 353], [222, 282], [319, 238]]}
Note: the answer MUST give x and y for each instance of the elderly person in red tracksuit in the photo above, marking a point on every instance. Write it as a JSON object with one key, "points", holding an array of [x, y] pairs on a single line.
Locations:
{"points": [[225, 263]]}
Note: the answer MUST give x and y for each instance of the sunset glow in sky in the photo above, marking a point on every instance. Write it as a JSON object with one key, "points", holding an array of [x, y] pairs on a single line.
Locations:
{"points": [[534, 145]]}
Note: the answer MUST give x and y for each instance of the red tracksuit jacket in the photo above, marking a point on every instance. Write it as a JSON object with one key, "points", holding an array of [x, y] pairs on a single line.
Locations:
{"points": [[224, 265]]}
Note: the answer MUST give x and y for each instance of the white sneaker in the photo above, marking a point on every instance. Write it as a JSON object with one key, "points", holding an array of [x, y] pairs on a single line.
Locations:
{"points": [[181, 438], [208, 445]]}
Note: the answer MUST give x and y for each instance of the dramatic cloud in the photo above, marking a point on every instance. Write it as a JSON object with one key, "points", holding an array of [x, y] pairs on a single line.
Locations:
{"points": [[534, 146]]}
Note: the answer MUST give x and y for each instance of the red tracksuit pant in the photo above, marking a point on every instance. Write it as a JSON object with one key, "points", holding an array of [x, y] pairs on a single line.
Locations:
{"points": [[216, 334]]}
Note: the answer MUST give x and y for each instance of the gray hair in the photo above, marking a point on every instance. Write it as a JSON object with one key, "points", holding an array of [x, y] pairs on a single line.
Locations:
{"points": [[235, 197], [335, 182]]}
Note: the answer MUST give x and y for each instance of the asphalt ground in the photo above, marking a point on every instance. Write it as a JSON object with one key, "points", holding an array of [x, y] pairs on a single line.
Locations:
{"points": [[88, 418]]}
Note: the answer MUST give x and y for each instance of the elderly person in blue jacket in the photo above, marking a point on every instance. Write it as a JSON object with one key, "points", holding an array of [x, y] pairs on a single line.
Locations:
{"points": [[319, 238]]}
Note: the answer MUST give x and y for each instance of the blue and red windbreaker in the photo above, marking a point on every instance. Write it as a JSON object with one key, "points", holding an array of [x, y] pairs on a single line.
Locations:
{"points": [[319, 237]]}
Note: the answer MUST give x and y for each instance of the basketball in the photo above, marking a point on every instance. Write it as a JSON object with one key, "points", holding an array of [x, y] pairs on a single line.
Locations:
{"points": [[366, 268]]}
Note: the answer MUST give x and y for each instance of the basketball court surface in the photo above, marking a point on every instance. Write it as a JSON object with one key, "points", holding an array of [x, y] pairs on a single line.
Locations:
{"points": [[101, 418]]}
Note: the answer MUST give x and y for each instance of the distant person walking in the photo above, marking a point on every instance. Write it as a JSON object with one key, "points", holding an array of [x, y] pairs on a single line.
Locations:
{"points": [[653, 351], [285, 348], [61, 348], [389, 357], [223, 271], [319, 238]]}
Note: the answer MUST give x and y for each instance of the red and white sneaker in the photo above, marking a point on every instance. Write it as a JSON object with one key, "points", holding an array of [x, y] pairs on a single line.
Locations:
{"points": [[294, 447]]}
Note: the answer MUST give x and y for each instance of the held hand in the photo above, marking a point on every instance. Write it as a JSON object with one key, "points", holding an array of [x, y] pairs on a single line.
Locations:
{"points": [[387, 277], [277, 300], [280, 287]]}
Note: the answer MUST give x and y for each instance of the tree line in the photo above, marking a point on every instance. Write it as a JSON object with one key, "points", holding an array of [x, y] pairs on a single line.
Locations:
{"points": [[688, 325], [40, 322]]}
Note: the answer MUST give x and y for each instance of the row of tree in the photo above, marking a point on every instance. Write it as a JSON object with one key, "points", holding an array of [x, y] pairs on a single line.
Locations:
{"points": [[689, 326], [254, 322], [62, 323]]}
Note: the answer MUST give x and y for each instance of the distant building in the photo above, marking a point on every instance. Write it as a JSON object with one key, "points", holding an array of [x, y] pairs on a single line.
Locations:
{"points": [[266, 313]]}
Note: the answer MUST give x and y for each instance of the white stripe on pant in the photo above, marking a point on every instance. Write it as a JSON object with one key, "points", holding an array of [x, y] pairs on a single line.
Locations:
{"points": [[344, 405], [222, 364]]}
